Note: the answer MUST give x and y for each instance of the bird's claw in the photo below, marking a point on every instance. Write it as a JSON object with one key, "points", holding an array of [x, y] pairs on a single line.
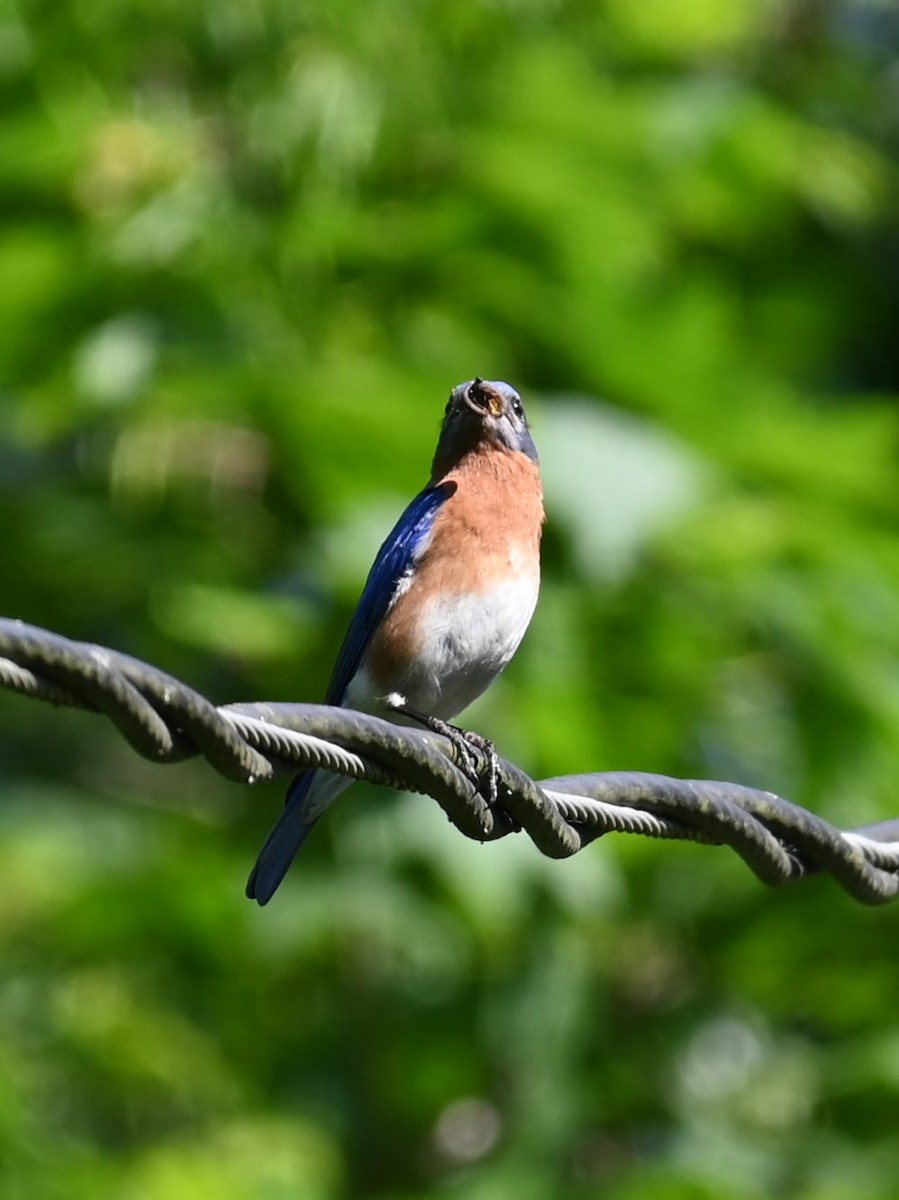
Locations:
{"points": [[473, 752], [466, 740]]}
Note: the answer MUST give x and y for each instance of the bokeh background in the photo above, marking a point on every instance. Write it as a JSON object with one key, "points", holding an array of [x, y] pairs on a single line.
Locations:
{"points": [[247, 247]]}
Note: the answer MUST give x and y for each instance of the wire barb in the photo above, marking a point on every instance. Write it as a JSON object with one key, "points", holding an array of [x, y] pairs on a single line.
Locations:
{"points": [[166, 721]]}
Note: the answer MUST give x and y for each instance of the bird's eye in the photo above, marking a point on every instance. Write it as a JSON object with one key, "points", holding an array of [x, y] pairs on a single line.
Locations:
{"points": [[517, 407]]}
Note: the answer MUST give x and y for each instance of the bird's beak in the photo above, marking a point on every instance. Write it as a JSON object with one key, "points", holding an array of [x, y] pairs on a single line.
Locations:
{"points": [[486, 396]]}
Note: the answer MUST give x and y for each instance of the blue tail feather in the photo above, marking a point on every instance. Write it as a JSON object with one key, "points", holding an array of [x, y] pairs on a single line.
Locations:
{"points": [[290, 831], [307, 798]]}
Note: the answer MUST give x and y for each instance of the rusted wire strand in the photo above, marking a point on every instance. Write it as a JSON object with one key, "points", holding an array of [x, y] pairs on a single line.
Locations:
{"points": [[166, 721]]}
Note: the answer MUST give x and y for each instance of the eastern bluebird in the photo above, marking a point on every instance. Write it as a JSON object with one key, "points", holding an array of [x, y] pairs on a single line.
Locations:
{"points": [[447, 601]]}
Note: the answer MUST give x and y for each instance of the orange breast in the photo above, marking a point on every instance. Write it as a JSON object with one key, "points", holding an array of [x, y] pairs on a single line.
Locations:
{"points": [[487, 533]]}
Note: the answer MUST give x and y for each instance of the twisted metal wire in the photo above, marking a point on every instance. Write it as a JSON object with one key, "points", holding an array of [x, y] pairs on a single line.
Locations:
{"points": [[166, 721]]}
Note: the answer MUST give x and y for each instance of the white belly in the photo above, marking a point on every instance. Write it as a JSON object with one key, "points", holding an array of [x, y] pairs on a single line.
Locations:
{"points": [[466, 642]]}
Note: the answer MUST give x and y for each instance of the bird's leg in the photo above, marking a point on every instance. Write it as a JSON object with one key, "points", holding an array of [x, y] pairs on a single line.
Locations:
{"points": [[463, 741]]}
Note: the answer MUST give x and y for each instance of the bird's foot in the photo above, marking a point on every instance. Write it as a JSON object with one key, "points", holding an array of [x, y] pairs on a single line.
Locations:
{"points": [[473, 750]]}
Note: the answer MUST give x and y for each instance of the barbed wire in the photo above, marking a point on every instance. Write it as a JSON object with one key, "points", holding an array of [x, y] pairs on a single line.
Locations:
{"points": [[166, 721]]}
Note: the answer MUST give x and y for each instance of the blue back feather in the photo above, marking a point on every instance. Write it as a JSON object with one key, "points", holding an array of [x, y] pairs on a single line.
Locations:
{"points": [[393, 560]]}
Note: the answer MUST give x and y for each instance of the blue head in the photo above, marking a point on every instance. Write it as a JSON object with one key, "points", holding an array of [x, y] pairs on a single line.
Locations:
{"points": [[483, 411]]}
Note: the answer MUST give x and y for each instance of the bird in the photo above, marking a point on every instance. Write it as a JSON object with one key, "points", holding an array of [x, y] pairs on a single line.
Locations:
{"points": [[446, 603]]}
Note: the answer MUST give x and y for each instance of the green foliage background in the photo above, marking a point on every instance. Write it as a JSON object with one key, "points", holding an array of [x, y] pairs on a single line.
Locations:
{"points": [[247, 247]]}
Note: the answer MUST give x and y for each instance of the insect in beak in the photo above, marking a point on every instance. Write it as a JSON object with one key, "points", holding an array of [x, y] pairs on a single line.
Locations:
{"points": [[479, 397]]}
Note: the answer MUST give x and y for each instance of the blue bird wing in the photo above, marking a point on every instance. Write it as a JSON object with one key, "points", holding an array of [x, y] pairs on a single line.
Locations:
{"points": [[310, 792], [392, 561]]}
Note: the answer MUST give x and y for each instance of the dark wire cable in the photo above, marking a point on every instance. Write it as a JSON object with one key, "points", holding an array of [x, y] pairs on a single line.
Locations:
{"points": [[166, 721]]}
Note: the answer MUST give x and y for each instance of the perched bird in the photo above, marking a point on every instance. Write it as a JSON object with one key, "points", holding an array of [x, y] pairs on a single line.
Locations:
{"points": [[447, 601]]}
